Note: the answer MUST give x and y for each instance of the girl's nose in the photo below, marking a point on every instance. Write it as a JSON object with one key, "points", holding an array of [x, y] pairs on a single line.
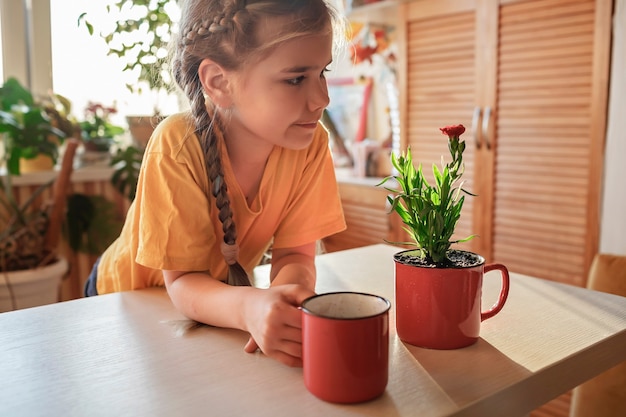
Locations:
{"points": [[318, 98]]}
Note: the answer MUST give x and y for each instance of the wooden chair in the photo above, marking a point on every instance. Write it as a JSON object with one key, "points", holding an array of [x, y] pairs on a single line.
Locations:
{"points": [[604, 395]]}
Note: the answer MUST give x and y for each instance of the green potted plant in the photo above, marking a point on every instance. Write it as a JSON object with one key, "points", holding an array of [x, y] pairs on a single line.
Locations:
{"points": [[98, 133], [31, 269], [29, 131], [430, 213], [438, 293]]}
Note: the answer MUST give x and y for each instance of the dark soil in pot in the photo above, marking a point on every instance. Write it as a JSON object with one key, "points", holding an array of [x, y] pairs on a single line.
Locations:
{"points": [[455, 259]]}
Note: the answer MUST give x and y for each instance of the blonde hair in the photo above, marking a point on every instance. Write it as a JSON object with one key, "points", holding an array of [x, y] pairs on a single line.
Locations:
{"points": [[227, 32]]}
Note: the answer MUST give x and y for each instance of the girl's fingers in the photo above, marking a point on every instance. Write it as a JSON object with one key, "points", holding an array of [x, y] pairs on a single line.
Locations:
{"points": [[290, 354], [291, 346], [288, 360], [291, 334], [251, 346]]}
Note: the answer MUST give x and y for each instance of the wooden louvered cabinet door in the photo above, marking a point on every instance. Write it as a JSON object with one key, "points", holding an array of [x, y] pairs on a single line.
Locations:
{"points": [[530, 77], [552, 67]]}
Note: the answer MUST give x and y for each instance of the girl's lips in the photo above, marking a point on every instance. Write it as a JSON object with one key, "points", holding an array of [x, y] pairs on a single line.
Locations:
{"points": [[311, 125]]}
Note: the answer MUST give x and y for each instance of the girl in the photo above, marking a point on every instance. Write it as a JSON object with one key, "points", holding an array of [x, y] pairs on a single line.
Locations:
{"points": [[248, 167]]}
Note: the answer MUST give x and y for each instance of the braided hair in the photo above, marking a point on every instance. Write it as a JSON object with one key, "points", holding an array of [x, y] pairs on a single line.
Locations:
{"points": [[224, 31]]}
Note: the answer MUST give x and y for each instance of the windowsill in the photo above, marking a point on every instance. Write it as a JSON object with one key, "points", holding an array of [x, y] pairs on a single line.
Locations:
{"points": [[82, 174]]}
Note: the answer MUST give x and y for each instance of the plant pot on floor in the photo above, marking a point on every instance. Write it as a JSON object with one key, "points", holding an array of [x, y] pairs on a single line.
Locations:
{"points": [[440, 307], [31, 287]]}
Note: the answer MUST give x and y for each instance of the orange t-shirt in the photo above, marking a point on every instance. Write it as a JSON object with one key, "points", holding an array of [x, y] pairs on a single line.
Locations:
{"points": [[173, 222]]}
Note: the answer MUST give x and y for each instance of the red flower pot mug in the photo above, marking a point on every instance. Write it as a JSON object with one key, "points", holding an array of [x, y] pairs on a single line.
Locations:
{"points": [[345, 346], [440, 308]]}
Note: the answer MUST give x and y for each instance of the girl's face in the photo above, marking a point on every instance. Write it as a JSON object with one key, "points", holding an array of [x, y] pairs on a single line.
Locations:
{"points": [[279, 99]]}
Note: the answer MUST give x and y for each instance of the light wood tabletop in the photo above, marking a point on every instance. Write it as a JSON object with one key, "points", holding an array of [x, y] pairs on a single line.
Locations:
{"points": [[115, 355]]}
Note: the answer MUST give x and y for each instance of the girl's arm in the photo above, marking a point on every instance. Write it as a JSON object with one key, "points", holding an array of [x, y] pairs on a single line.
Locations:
{"points": [[271, 316], [202, 298]]}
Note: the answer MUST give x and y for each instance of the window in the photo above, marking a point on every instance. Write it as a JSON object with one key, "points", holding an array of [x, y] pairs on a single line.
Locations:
{"points": [[82, 71], [1, 57]]}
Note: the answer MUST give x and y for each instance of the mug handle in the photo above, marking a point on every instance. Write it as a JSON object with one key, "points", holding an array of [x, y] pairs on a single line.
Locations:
{"points": [[504, 291]]}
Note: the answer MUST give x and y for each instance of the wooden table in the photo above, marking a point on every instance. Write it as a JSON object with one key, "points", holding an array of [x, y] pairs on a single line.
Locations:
{"points": [[113, 355]]}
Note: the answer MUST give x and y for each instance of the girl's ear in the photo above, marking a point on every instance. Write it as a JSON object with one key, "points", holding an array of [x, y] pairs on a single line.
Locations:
{"points": [[215, 82]]}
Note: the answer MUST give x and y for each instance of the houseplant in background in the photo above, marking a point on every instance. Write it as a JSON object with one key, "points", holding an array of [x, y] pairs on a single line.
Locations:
{"points": [[29, 130], [438, 289], [98, 132], [30, 267], [126, 163]]}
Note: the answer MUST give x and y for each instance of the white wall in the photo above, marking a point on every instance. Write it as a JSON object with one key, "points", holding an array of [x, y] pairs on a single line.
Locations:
{"points": [[613, 215]]}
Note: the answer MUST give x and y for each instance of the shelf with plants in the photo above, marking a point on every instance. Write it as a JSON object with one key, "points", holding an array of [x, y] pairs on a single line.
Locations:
{"points": [[42, 212]]}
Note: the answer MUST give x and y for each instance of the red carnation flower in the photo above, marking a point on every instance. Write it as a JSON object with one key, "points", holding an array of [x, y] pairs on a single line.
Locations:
{"points": [[453, 130]]}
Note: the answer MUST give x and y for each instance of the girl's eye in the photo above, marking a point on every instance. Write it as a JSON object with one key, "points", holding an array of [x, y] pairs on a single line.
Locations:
{"points": [[300, 79], [295, 81]]}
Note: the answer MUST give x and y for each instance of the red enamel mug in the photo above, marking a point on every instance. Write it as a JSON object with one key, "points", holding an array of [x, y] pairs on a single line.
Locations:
{"points": [[345, 346], [440, 308]]}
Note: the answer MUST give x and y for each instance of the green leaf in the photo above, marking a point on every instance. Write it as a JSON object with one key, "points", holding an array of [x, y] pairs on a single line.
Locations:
{"points": [[437, 175]]}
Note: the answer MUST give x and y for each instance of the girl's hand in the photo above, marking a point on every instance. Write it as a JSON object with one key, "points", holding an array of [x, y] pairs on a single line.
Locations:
{"points": [[275, 323]]}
